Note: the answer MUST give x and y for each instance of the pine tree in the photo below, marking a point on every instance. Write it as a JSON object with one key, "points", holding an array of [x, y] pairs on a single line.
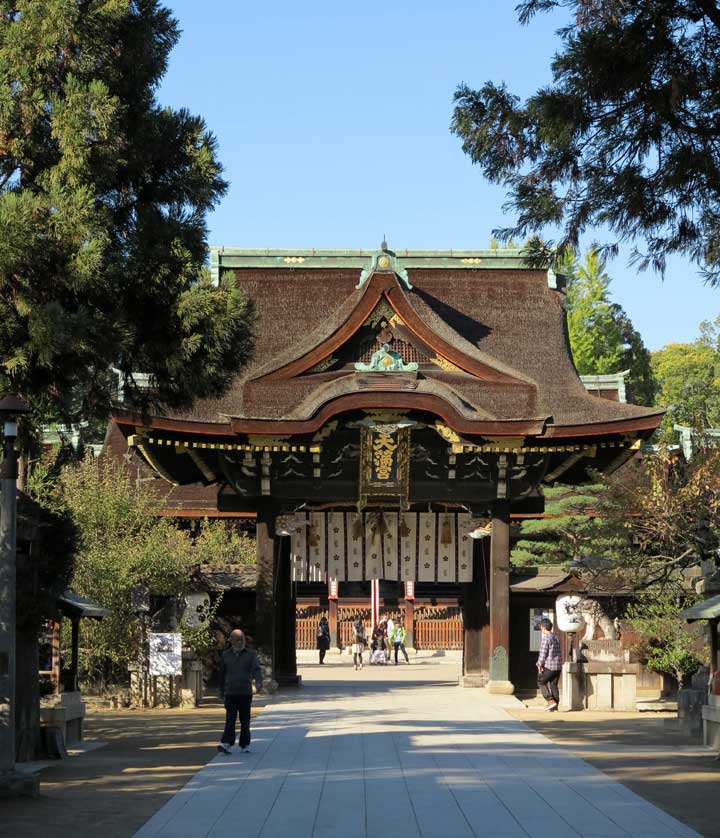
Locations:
{"points": [[602, 337], [103, 199], [568, 534], [623, 139]]}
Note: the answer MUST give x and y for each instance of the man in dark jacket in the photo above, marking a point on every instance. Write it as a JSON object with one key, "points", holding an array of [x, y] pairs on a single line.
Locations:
{"points": [[240, 667]]}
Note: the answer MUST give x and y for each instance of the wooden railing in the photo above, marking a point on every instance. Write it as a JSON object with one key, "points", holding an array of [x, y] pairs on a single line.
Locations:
{"points": [[429, 634], [439, 634]]}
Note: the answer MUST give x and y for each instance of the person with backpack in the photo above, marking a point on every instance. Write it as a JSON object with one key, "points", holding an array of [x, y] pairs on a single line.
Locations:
{"points": [[323, 638], [398, 641], [359, 641]]}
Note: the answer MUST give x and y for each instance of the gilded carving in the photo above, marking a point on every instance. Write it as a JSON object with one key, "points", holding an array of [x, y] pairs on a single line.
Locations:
{"points": [[326, 431], [384, 448], [446, 433], [444, 364]]}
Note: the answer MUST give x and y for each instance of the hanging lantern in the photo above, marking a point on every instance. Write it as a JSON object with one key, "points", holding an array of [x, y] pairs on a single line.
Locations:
{"points": [[568, 616]]}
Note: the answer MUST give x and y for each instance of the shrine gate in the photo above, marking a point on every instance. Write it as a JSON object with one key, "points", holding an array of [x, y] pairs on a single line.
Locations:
{"points": [[400, 408]]}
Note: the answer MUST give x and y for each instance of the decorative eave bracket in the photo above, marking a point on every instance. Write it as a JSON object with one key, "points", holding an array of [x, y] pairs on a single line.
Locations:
{"points": [[384, 261]]}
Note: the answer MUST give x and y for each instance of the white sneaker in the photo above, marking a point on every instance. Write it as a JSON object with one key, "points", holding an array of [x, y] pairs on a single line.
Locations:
{"points": [[246, 749], [224, 748], [550, 708]]}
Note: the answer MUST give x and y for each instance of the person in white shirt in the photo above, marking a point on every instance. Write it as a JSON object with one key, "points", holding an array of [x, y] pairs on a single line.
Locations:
{"points": [[390, 634]]}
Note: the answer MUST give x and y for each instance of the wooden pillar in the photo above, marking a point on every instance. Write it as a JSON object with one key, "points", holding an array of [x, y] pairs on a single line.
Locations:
{"points": [[500, 600], [333, 623], [264, 632], [476, 619], [74, 653], [284, 624], [713, 647], [409, 623]]}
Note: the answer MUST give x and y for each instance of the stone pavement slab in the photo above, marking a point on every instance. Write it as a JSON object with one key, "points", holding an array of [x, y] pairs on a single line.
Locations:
{"points": [[401, 752]]}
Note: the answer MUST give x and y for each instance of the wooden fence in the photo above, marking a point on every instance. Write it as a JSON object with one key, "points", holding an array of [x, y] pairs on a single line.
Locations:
{"points": [[439, 634], [429, 634]]}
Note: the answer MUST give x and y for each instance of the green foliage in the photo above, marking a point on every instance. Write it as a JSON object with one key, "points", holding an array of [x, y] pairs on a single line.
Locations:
{"points": [[218, 545], [662, 516], [103, 200], [688, 375], [602, 337], [47, 541], [624, 138], [595, 337], [571, 533], [669, 644], [123, 544]]}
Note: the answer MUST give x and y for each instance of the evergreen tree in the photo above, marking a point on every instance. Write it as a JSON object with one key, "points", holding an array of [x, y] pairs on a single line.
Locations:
{"points": [[623, 138], [602, 337], [570, 531], [595, 338], [103, 198]]}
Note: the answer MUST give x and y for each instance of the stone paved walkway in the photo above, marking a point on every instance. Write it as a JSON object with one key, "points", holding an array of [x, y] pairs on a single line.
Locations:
{"points": [[401, 752]]}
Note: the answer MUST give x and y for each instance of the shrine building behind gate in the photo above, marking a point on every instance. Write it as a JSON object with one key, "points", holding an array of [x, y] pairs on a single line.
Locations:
{"points": [[399, 409]]}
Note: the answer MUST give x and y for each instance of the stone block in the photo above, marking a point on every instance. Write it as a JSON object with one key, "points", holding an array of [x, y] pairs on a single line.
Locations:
{"points": [[474, 679], [500, 687], [711, 722], [571, 687], [690, 716]]}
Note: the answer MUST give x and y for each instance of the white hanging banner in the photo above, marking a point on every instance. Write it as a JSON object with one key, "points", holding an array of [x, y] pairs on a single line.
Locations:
{"points": [[317, 550], [405, 546], [465, 547], [353, 528]]}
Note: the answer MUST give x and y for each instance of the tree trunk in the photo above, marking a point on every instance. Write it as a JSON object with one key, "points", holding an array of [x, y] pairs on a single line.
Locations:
{"points": [[27, 695]]}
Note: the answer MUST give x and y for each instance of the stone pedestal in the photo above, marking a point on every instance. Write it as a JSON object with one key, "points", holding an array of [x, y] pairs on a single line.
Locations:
{"points": [[610, 678], [192, 680], [711, 722], [477, 679], [500, 687], [690, 704], [571, 687], [65, 712]]}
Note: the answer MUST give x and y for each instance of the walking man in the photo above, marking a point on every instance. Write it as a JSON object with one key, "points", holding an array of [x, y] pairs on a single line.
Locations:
{"points": [[399, 642], [240, 667], [323, 638], [549, 665]]}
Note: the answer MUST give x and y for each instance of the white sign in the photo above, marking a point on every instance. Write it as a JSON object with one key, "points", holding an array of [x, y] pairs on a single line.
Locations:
{"points": [[569, 616], [537, 614], [165, 653]]}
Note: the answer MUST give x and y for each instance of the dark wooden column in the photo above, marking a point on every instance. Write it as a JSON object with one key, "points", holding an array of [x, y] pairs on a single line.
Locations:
{"points": [[476, 619], [500, 600], [264, 604], [285, 611], [713, 646], [274, 600]]}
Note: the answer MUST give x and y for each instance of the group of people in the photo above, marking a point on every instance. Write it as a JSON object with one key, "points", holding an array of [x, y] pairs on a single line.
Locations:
{"points": [[387, 637]]}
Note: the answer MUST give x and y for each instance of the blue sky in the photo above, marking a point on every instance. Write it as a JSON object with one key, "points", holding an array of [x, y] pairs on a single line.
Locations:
{"points": [[333, 126]]}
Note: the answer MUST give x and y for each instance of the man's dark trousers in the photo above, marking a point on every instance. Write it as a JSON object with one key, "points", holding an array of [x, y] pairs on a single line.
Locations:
{"points": [[548, 683], [237, 705]]}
